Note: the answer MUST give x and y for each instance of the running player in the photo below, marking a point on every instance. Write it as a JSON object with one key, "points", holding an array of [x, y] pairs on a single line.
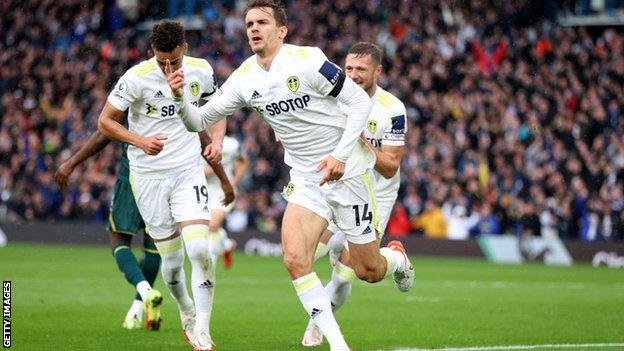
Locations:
{"points": [[235, 164], [297, 90], [166, 176], [385, 133]]}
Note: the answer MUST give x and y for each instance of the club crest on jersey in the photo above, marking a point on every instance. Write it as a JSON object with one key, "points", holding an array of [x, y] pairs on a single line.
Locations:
{"points": [[194, 88], [372, 126], [293, 83], [288, 189]]}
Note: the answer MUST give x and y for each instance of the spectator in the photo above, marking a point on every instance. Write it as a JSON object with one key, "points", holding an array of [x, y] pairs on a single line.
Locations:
{"points": [[488, 223], [432, 221], [502, 103]]}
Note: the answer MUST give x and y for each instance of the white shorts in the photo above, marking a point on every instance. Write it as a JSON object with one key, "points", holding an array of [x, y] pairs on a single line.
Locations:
{"points": [[164, 202], [216, 198], [384, 209], [349, 203]]}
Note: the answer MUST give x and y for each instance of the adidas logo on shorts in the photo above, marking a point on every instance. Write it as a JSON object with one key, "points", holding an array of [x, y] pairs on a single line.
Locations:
{"points": [[367, 230]]}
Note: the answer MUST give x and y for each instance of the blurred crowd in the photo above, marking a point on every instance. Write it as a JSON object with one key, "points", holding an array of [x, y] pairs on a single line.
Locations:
{"points": [[515, 123]]}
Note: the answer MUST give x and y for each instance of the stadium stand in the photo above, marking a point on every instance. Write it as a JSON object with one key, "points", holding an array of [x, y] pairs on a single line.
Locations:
{"points": [[515, 122]]}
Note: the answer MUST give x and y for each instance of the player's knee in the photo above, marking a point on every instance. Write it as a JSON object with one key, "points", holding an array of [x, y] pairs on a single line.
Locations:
{"points": [[368, 272], [172, 261], [296, 264], [171, 267], [117, 239], [198, 250]]}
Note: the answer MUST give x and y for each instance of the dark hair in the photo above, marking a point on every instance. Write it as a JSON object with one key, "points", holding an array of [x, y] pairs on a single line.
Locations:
{"points": [[167, 35], [364, 48], [279, 11]]}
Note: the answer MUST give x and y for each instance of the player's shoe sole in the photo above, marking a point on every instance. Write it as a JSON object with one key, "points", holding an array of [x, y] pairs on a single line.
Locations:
{"points": [[404, 279], [152, 309]]}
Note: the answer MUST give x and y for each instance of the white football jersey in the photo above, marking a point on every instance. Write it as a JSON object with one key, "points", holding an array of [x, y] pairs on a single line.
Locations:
{"points": [[386, 126], [297, 97], [231, 153], [144, 90]]}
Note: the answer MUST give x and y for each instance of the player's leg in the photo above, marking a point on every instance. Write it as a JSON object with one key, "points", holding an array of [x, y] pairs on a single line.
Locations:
{"points": [[218, 237], [171, 251], [152, 198], [189, 207], [220, 243], [150, 262], [195, 235], [360, 223], [128, 265], [123, 222], [304, 221], [338, 288], [322, 247], [229, 245]]}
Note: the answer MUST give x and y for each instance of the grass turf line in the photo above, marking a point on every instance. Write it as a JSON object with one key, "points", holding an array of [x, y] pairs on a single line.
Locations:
{"points": [[74, 298]]}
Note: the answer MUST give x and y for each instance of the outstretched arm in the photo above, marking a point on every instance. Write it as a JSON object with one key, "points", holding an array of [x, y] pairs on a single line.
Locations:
{"points": [[94, 144], [197, 119]]}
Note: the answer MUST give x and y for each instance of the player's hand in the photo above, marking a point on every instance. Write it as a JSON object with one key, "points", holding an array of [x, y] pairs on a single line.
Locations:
{"points": [[212, 152], [228, 190], [153, 145], [62, 174], [335, 169], [175, 79]]}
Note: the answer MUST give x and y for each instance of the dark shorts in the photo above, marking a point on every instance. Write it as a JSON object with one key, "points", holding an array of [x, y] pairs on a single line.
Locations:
{"points": [[124, 215]]}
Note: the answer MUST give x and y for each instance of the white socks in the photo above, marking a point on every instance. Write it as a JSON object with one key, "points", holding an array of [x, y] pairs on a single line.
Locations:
{"points": [[172, 270], [317, 304], [321, 250], [202, 275], [143, 288], [394, 259], [339, 287]]}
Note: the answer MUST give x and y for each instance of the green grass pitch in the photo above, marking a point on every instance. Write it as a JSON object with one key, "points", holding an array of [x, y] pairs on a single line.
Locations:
{"points": [[74, 298]]}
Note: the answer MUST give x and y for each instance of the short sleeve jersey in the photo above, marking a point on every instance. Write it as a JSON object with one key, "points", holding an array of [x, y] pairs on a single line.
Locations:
{"points": [[143, 91], [297, 97], [386, 126]]}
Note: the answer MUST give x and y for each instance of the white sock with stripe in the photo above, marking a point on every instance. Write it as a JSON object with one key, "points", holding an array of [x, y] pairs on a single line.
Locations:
{"points": [[172, 270], [202, 275], [395, 260], [316, 302], [321, 250], [339, 287]]}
